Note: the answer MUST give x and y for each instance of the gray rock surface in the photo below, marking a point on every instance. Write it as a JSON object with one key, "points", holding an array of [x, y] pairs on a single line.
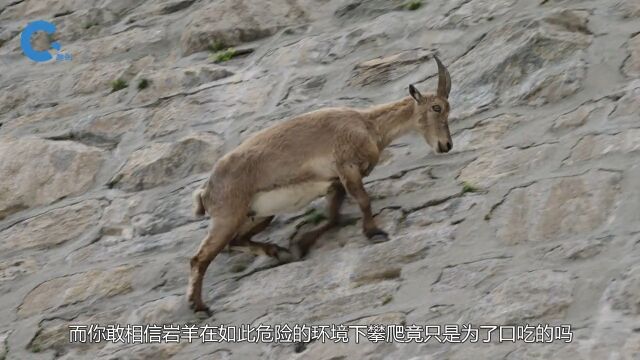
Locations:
{"points": [[534, 217]]}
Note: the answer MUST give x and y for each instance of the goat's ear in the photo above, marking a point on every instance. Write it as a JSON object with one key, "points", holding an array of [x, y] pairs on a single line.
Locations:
{"points": [[415, 94]]}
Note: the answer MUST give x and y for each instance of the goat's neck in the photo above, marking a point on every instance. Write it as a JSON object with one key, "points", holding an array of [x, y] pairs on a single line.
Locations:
{"points": [[391, 121]]}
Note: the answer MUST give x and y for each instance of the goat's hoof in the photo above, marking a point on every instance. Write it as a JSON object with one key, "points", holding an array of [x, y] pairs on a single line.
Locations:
{"points": [[284, 256], [297, 252], [200, 308], [203, 310], [377, 236]]}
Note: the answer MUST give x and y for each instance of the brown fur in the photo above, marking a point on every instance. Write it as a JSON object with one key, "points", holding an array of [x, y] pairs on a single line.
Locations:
{"points": [[198, 206], [338, 146]]}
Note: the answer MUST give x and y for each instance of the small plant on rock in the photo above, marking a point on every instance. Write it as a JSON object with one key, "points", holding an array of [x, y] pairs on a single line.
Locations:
{"points": [[413, 5], [118, 84], [143, 84], [90, 24], [387, 299], [217, 45], [467, 188], [315, 216], [225, 55]]}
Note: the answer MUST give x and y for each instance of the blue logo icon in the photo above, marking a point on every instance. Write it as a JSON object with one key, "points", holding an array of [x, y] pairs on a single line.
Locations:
{"points": [[44, 55]]}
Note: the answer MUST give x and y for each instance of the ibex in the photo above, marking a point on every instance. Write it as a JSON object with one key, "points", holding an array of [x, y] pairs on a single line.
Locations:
{"points": [[282, 168]]}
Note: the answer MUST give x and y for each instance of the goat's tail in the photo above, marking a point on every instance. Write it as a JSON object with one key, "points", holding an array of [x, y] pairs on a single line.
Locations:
{"points": [[198, 206]]}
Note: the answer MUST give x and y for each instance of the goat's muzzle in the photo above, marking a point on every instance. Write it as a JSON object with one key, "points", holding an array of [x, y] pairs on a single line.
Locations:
{"points": [[444, 147]]}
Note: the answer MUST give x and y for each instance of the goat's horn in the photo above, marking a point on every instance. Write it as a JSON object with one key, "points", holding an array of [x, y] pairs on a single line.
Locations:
{"points": [[444, 79]]}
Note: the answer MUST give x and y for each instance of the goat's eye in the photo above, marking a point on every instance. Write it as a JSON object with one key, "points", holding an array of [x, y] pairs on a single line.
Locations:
{"points": [[436, 108]]}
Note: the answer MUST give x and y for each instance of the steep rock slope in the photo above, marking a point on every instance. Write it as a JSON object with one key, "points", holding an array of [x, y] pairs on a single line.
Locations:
{"points": [[534, 217]]}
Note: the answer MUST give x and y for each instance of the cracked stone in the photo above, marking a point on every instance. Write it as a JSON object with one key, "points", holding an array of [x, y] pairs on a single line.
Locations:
{"points": [[583, 249], [121, 243], [531, 297], [4, 350], [98, 77], [84, 24], [627, 107], [167, 82], [53, 334], [161, 163], [623, 294], [536, 86], [58, 118], [170, 118], [598, 146], [631, 66], [94, 284], [495, 164], [233, 23], [45, 177], [474, 12], [16, 268], [106, 131], [166, 310], [409, 182], [631, 348], [468, 275], [144, 40], [628, 9], [381, 70], [555, 350], [397, 318], [367, 9], [165, 212], [557, 208], [146, 351], [328, 305], [302, 89], [52, 228], [534, 62], [488, 133], [450, 211], [576, 118]]}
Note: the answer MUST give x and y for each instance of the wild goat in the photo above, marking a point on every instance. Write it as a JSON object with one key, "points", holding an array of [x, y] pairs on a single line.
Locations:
{"points": [[282, 168]]}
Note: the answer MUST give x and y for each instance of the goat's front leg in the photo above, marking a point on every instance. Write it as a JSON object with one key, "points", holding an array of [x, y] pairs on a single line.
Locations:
{"points": [[351, 178]]}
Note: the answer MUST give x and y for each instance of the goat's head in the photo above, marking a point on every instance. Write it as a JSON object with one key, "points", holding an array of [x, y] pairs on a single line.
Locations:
{"points": [[432, 112]]}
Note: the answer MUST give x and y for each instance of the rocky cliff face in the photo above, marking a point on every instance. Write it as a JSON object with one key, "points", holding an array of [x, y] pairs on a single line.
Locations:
{"points": [[534, 217]]}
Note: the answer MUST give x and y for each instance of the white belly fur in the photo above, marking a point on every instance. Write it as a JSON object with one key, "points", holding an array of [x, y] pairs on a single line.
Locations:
{"points": [[288, 199]]}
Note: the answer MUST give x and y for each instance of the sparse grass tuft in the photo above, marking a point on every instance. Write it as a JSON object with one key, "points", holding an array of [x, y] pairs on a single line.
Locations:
{"points": [[90, 24], [387, 299], [467, 188], [413, 5], [225, 55], [118, 84], [143, 84], [217, 45], [315, 216]]}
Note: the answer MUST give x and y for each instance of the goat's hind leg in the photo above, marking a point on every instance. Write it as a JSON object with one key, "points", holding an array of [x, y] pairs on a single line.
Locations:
{"points": [[220, 234], [243, 241]]}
